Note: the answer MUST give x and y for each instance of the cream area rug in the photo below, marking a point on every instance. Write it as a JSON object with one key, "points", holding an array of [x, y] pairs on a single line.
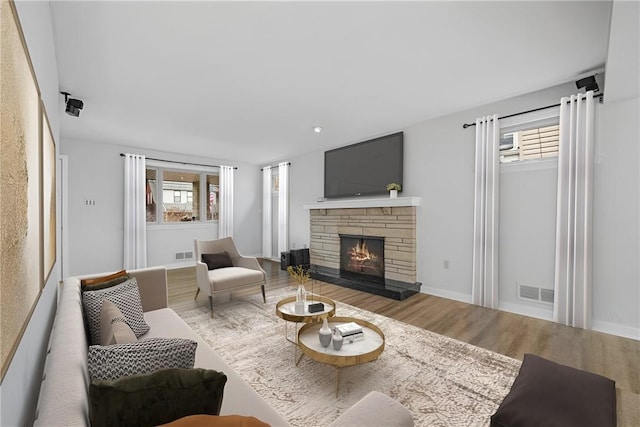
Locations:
{"points": [[442, 381]]}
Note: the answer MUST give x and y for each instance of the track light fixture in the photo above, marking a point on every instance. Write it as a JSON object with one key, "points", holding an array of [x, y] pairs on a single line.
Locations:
{"points": [[73, 105], [589, 83]]}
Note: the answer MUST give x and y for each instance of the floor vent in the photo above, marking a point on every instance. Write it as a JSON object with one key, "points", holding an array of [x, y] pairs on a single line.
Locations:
{"points": [[533, 293]]}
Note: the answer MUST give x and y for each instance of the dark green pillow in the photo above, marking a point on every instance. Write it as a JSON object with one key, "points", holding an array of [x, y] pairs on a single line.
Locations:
{"points": [[156, 398]]}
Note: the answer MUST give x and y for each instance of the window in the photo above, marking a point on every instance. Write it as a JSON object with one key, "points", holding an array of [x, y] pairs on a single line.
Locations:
{"points": [[180, 196], [530, 144]]}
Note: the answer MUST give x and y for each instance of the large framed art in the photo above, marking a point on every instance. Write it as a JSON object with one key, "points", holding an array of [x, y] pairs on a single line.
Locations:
{"points": [[48, 197], [21, 276]]}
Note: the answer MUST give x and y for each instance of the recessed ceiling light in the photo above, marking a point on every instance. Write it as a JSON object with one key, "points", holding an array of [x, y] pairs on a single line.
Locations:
{"points": [[317, 129]]}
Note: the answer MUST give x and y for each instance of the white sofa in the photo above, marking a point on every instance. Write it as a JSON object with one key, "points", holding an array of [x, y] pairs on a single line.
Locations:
{"points": [[63, 397]]}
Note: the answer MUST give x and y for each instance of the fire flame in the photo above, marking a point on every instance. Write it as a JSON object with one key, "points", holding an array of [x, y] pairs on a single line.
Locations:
{"points": [[360, 253]]}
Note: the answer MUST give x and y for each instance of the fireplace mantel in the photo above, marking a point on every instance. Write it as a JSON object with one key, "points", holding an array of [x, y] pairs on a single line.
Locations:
{"points": [[365, 203]]}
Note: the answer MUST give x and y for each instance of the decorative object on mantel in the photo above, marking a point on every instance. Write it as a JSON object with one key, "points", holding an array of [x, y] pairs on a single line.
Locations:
{"points": [[393, 189], [301, 275], [324, 334]]}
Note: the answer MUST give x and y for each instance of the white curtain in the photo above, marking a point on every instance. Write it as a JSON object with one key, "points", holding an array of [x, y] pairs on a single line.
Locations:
{"points": [[135, 197], [225, 218], [283, 208], [572, 302], [485, 214], [266, 212]]}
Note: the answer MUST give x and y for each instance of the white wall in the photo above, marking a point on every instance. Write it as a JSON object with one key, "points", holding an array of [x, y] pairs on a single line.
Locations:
{"points": [[96, 172], [21, 384], [439, 167]]}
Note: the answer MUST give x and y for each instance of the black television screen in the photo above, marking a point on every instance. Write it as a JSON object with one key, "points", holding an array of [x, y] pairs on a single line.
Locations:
{"points": [[365, 168]]}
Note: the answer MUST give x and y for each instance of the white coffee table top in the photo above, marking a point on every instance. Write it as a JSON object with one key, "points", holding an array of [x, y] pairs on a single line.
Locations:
{"points": [[360, 351], [285, 309]]}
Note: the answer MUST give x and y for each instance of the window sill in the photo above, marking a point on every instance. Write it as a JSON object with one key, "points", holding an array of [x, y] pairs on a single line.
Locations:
{"points": [[529, 165], [182, 225]]}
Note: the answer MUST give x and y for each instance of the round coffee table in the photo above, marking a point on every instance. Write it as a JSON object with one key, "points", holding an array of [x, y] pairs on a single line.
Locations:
{"points": [[358, 352], [285, 309]]}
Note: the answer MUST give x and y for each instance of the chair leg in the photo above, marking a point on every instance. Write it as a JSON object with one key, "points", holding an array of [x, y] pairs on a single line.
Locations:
{"points": [[197, 293], [211, 304], [264, 297]]}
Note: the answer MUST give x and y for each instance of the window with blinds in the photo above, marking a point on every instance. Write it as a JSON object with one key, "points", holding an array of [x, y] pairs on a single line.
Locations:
{"points": [[530, 144]]}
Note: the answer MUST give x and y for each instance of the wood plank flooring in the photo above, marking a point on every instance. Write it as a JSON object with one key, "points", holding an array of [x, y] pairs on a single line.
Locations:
{"points": [[506, 333]]}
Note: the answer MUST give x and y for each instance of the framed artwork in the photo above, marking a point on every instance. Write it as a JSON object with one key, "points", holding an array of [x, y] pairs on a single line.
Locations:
{"points": [[48, 197], [20, 192]]}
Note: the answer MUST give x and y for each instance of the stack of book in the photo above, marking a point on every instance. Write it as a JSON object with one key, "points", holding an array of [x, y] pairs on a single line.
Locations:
{"points": [[350, 331]]}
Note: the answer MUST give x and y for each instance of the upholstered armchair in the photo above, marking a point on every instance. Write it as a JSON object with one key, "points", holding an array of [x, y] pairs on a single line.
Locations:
{"points": [[221, 269]]}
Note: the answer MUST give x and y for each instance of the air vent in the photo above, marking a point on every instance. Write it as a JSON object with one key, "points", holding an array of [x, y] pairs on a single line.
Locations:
{"points": [[534, 293], [188, 255], [179, 255], [547, 295]]}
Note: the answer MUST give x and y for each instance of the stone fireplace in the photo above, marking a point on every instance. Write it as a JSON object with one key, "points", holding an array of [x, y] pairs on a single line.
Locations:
{"points": [[378, 249]]}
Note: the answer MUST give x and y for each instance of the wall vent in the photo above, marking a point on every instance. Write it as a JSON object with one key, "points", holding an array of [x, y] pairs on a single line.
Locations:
{"points": [[179, 255], [534, 293], [188, 255]]}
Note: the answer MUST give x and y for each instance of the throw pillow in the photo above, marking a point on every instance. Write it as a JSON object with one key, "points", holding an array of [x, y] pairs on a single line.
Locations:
{"points": [[113, 326], [217, 260], [114, 361], [126, 297], [104, 281], [548, 394], [216, 421], [157, 398]]}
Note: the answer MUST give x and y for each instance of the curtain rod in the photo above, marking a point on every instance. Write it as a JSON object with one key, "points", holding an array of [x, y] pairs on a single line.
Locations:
{"points": [[289, 163], [182, 163], [466, 125]]}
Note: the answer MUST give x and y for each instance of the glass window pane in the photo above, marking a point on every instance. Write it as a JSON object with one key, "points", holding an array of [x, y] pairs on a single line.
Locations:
{"points": [[151, 197], [176, 206], [212, 197]]}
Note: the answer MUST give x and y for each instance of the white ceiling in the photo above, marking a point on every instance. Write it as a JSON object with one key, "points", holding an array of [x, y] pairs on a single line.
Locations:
{"points": [[247, 81]]}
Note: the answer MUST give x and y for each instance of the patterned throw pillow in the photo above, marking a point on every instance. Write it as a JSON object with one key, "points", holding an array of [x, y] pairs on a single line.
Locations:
{"points": [[141, 357], [126, 297]]}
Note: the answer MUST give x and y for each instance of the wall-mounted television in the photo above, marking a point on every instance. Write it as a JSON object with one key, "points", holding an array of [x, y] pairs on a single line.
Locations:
{"points": [[365, 168]]}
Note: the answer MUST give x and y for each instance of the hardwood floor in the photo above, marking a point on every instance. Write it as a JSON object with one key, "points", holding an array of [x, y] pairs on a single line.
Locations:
{"points": [[506, 333]]}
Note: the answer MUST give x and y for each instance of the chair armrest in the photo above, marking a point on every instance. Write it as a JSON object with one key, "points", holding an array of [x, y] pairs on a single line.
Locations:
{"points": [[375, 410], [251, 263], [202, 276]]}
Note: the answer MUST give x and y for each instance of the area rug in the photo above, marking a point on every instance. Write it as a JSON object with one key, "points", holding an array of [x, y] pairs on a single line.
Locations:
{"points": [[442, 381]]}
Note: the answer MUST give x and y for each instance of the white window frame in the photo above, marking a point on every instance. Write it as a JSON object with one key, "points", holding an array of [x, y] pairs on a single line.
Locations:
{"points": [[546, 117], [203, 172]]}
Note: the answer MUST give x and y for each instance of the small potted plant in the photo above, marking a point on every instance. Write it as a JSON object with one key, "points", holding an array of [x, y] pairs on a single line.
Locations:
{"points": [[393, 189]]}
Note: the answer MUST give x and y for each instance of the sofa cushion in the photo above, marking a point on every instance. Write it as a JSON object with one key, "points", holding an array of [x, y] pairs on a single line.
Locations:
{"points": [[216, 421], [217, 260], [95, 283], [156, 398], [115, 361], [547, 393], [113, 325], [126, 297]]}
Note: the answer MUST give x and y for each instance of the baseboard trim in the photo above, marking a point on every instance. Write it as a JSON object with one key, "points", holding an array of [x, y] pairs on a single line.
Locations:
{"points": [[614, 329], [524, 310], [443, 293]]}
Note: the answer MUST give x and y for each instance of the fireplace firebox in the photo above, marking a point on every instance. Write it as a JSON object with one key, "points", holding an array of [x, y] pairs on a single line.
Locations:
{"points": [[362, 255]]}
